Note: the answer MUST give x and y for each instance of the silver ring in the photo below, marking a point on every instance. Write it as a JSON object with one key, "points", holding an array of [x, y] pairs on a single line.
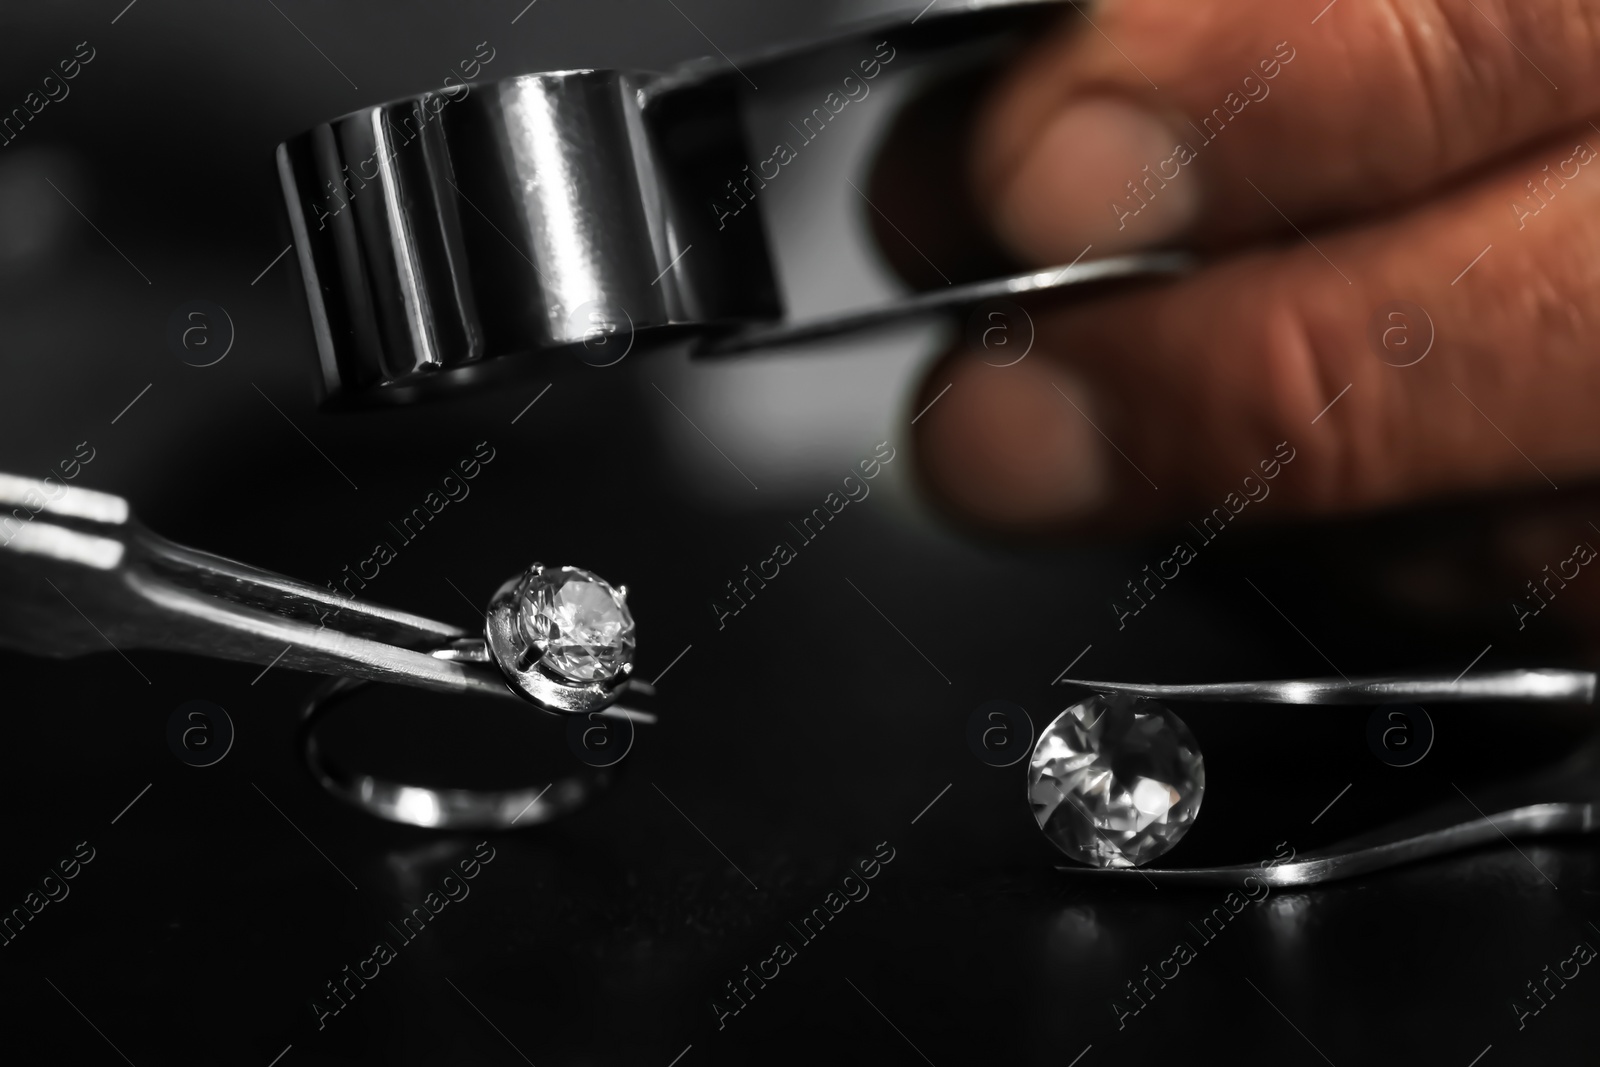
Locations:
{"points": [[563, 640]]}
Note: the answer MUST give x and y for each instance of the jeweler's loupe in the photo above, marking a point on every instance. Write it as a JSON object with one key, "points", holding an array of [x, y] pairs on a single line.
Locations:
{"points": [[441, 244]]}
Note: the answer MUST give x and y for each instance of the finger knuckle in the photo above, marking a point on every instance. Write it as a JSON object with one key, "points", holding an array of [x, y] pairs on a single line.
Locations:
{"points": [[1310, 366], [1469, 65]]}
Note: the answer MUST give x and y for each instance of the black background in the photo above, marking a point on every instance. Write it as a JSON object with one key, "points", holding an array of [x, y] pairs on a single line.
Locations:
{"points": [[793, 741]]}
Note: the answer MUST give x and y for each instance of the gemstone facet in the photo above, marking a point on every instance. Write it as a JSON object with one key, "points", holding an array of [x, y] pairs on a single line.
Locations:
{"points": [[1116, 780], [577, 622]]}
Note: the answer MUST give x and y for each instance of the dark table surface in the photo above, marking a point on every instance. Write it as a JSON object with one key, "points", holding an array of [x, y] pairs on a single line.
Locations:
{"points": [[820, 727]]}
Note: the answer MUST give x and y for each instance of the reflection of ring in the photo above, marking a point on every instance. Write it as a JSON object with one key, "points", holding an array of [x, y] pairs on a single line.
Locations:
{"points": [[564, 639]]}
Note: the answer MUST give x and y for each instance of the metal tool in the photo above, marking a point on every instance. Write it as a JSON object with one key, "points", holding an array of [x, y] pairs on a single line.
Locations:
{"points": [[470, 233], [78, 575], [1526, 686], [1565, 799], [82, 575]]}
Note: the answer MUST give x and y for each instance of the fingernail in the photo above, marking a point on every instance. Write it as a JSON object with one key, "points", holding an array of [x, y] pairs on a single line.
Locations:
{"points": [[1004, 446], [1104, 172]]}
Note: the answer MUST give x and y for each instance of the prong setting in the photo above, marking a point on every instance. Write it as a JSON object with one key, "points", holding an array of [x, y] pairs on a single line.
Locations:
{"points": [[563, 638]]}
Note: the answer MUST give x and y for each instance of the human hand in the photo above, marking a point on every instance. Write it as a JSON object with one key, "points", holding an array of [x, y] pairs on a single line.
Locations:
{"points": [[1329, 165]]}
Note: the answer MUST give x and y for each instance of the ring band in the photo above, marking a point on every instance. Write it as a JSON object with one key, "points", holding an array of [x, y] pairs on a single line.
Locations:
{"points": [[563, 640], [438, 808]]}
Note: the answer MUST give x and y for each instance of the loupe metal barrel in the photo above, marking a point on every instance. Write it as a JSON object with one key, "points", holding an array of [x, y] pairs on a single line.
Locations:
{"points": [[517, 217]]}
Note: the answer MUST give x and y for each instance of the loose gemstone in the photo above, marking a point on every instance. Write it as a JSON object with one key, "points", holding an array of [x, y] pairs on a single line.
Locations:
{"points": [[582, 624], [1116, 780]]}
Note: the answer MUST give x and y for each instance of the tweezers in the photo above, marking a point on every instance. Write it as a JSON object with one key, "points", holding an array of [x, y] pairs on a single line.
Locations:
{"points": [[1562, 800], [79, 574]]}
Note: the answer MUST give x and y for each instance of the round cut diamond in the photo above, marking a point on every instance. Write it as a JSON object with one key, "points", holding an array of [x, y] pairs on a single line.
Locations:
{"points": [[1116, 780], [579, 623]]}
